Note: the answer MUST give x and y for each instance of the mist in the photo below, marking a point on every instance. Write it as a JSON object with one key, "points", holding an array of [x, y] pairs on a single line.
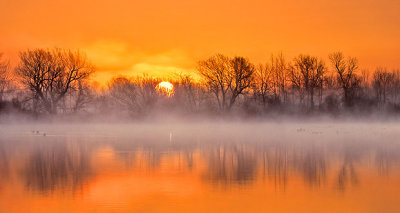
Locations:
{"points": [[243, 137], [56, 85], [74, 164]]}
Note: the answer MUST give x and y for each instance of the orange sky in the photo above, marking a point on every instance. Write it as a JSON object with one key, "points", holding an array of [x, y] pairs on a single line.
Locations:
{"points": [[161, 37]]}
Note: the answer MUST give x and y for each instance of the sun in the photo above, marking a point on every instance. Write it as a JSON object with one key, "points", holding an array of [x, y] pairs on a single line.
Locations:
{"points": [[166, 88]]}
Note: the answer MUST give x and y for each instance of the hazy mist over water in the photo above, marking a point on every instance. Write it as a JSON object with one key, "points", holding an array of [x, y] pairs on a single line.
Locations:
{"points": [[199, 106], [199, 167]]}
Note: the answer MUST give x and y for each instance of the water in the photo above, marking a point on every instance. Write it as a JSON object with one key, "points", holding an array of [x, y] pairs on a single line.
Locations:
{"points": [[206, 167]]}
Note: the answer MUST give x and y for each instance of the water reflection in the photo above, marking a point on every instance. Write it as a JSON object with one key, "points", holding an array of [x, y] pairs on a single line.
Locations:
{"points": [[347, 175], [311, 164], [64, 165], [275, 163], [386, 158], [55, 165], [60, 164], [230, 164], [4, 168]]}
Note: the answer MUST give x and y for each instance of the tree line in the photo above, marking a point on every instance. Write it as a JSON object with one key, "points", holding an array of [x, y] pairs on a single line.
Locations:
{"points": [[57, 81]]}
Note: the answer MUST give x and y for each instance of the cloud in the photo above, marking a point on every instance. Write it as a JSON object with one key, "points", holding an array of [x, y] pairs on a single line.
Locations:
{"points": [[115, 58]]}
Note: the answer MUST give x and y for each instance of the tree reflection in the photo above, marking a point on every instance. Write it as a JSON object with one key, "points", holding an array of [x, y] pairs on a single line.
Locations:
{"points": [[385, 157], [347, 173], [231, 164], [62, 165], [57, 166], [311, 164], [276, 163], [4, 165]]}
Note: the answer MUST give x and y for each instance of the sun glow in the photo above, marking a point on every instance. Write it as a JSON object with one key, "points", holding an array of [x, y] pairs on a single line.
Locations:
{"points": [[166, 88]]}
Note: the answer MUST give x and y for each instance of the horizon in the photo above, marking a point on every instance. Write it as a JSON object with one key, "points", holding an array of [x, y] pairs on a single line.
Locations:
{"points": [[161, 38], [219, 106]]}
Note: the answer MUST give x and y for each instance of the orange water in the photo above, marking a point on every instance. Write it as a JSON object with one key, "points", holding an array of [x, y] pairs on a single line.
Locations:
{"points": [[191, 171]]}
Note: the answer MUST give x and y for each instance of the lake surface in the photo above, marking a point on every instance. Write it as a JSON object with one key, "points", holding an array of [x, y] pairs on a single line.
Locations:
{"points": [[203, 167]]}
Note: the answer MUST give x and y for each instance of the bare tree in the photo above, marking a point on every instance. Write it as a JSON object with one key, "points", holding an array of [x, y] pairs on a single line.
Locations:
{"points": [[242, 78], [396, 89], [306, 75], [5, 78], [271, 79], [81, 96], [279, 68], [51, 74], [124, 92], [263, 83], [137, 95], [346, 75], [189, 94], [215, 72], [383, 83], [226, 78]]}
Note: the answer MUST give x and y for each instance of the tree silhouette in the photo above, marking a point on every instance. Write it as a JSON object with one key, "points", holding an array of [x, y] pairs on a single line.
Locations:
{"points": [[271, 81], [51, 74], [242, 78], [383, 83], [189, 94], [346, 75], [137, 95], [306, 74], [57, 81], [5, 78], [226, 78], [263, 84]]}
